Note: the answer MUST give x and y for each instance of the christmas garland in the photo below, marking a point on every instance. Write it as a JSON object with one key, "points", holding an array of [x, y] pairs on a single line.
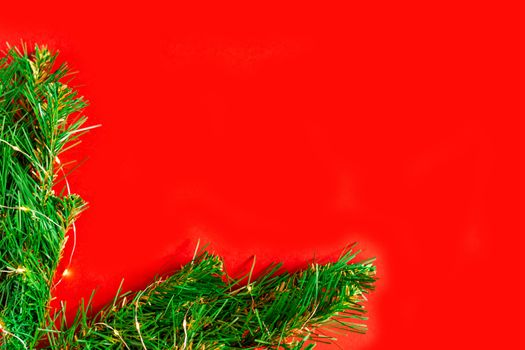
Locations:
{"points": [[197, 307]]}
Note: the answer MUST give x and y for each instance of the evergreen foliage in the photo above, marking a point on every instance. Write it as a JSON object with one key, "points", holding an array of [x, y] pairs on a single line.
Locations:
{"points": [[38, 117], [197, 307]]}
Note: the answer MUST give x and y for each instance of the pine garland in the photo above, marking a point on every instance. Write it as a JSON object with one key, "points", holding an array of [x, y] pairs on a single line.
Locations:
{"points": [[197, 307], [36, 112]]}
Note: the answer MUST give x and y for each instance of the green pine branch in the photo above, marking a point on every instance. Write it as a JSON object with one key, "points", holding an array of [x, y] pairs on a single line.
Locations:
{"points": [[197, 307], [38, 118]]}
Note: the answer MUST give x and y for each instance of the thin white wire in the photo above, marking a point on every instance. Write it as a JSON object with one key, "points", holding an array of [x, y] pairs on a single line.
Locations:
{"points": [[114, 332], [5, 331], [74, 227], [137, 325]]}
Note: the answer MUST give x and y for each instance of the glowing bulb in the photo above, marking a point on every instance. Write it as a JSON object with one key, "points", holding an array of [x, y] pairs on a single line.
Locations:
{"points": [[66, 273], [20, 270]]}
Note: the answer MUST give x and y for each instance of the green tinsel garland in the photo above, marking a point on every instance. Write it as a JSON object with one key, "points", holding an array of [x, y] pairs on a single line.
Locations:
{"points": [[192, 309]]}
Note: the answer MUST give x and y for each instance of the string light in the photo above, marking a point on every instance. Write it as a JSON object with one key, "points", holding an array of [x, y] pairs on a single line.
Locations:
{"points": [[202, 285], [20, 270]]}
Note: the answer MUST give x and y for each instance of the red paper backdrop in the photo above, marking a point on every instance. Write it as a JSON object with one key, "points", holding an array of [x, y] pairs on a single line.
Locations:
{"points": [[288, 132]]}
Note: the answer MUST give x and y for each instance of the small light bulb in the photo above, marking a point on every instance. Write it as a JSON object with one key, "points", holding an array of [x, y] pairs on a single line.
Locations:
{"points": [[66, 273]]}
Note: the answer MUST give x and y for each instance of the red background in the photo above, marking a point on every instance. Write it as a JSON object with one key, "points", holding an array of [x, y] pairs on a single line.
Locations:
{"points": [[288, 132]]}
